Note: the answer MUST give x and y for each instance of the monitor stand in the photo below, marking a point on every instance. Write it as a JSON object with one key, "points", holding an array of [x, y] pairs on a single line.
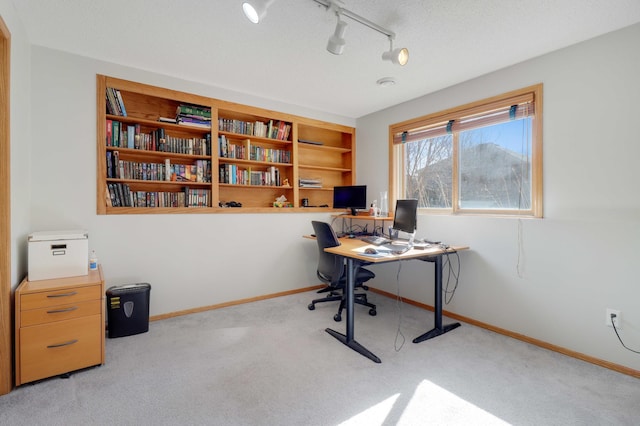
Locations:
{"points": [[408, 243], [354, 211]]}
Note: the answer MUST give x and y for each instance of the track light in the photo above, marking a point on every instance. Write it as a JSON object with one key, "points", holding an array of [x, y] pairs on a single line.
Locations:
{"points": [[336, 42], [256, 10], [399, 56]]}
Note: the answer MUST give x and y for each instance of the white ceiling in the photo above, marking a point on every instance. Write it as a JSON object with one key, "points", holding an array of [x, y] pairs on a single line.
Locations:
{"points": [[284, 57]]}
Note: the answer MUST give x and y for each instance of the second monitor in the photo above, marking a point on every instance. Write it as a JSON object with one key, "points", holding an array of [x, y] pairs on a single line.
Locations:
{"points": [[405, 218], [351, 197]]}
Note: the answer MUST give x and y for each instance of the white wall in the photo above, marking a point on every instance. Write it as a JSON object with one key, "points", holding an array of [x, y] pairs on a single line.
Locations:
{"points": [[190, 260], [582, 257], [20, 140]]}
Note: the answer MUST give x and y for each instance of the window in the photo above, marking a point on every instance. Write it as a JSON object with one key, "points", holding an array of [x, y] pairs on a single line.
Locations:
{"points": [[484, 157]]}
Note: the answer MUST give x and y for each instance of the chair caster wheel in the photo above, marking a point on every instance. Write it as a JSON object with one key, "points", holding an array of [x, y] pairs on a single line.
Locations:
{"points": [[372, 312], [337, 317], [311, 306]]}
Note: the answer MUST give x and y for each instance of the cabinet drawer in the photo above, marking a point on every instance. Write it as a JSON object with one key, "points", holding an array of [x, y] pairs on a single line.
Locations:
{"points": [[59, 313], [59, 347], [47, 299]]}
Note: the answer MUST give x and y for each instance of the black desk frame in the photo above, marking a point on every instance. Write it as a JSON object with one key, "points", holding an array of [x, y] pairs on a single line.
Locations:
{"points": [[348, 339]]}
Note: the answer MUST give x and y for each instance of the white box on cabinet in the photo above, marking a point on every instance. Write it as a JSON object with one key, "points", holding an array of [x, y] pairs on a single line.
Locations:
{"points": [[57, 254]]}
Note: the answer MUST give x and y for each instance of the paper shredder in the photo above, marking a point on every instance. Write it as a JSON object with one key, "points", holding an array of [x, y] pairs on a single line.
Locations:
{"points": [[128, 309]]}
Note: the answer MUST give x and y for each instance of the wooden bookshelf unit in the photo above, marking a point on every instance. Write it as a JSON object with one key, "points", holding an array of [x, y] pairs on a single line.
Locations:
{"points": [[248, 155]]}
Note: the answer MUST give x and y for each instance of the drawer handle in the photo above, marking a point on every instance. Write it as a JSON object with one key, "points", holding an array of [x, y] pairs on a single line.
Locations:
{"points": [[59, 311], [57, 345], [73, 293]]}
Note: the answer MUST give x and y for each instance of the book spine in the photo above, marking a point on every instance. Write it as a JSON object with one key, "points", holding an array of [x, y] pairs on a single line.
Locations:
{"points": [[116, 133], [136, 138], [131, 133], [112, 102], [109, 137], [120, 195], [109, 165], [116, 164], [121, 103], [108, 103], [112, 194]]}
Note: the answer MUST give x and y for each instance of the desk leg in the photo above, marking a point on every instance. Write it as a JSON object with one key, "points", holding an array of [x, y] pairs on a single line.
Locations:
{"points": [[348, 339], [439, 328]]}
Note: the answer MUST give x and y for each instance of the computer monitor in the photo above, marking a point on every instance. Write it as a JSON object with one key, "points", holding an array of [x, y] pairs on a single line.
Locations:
{"points": [[351, 197], [405, 218]]}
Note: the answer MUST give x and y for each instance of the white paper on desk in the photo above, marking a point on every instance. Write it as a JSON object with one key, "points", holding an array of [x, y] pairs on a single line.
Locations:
{"points": [[381, 251]]}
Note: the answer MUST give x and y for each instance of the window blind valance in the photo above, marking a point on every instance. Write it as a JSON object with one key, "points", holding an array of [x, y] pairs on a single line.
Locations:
{"points": [[487, 114]]}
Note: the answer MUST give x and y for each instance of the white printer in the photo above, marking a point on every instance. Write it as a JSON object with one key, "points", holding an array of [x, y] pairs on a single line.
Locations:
{"points": [[57, 254]]}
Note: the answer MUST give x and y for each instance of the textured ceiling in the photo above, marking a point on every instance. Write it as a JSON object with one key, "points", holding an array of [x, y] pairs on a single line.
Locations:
{"points": [[284, 57]]}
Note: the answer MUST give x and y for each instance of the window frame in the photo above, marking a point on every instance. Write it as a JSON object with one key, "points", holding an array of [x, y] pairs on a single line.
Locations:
{"points": [[396, 152]]}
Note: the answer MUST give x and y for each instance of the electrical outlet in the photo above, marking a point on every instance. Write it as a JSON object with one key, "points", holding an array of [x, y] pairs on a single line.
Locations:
{"points": [[617, 320]]}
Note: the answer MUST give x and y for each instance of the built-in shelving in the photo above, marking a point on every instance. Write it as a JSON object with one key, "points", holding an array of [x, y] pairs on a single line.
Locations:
{"points": [[248, 155]]}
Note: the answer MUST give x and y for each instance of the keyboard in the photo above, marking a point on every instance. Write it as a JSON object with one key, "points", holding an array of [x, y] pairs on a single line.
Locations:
{"points": [[376, 240]]}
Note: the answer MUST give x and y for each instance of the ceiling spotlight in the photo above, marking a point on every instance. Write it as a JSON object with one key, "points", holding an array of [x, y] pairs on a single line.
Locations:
{"points": [[256, 10], [336, 42], [399, 56]]}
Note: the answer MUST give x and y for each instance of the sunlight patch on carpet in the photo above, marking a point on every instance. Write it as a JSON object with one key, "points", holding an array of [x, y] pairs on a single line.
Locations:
{"points": [[431, 404], [374, 415]]}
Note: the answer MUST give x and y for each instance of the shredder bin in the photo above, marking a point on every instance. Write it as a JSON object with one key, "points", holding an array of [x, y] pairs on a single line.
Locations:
{"points": [[128, 309]]}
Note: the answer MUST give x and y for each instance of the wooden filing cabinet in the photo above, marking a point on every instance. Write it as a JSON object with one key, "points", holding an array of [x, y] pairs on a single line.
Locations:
{"points": [[60, 325]]}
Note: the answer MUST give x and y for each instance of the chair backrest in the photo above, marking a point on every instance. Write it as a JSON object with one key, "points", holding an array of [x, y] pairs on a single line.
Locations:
{"points": [[330, 266]]}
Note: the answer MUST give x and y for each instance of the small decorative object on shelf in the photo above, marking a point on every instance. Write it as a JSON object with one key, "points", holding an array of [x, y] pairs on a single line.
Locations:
{"points": [[281, 201]]}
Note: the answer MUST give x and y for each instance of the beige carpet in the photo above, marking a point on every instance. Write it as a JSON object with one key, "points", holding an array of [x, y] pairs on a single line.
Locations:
{"points": [[272, 363]]}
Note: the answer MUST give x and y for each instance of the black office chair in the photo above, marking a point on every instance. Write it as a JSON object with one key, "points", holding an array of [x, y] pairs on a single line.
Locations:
{"points": [[332, 271]]}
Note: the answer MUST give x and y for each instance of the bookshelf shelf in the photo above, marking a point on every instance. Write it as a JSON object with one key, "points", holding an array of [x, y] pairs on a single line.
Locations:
{"points": [[224, 151], [324, 148], [254, 162], [158, 155], [156, 123], [333, 169], [159, 182], [239, 185], [255, 139], [303, 188]]}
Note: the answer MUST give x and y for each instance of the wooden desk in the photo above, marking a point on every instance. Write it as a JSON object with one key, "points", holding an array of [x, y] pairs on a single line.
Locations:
{"points": [[353, 251]]}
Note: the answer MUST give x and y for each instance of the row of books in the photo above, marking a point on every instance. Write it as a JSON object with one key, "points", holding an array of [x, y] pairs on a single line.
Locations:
{"points": [[231, 173], [193, 115], [123, 169], [273, 129], [309, 183], [248, 151], [121, 195], [123, 135], [115, 104]]}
